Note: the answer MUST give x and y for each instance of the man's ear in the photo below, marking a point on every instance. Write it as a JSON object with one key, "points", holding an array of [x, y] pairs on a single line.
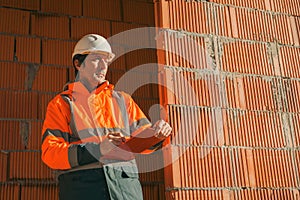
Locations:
{"points": [[76, 64]]}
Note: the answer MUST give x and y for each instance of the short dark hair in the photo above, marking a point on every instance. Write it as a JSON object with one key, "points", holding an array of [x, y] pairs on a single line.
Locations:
{"points": [[80, 58]]}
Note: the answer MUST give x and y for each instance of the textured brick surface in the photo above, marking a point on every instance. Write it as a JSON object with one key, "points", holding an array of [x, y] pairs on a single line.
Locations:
{"points": [[197, 55], [266, 129], [31, 167], [44, 99], [200, 194], [119, 61], [154, 192], [291, 90], [10, 191], [277, 165], [202, 167], [288, 6], [70, 7], [23, 54], [11, 138], [252, 24], [297, 160], [243, 3], [255, 93], [283, 29], [145, 91], [114, 75], [71, 72], [7, 53], [106, 9], [266, 194], [204, 126], [13, 71], [248, 24], [22, 105], [140, 57], [295, 27], [83, 26], [246, 57], [60, 51], [50, 79], [34, 139], [289, 62], [296, 128], [138, 12], [224, 24], [4, 167], [46, 191], [50, 26], [25, 4], [191, 16], [245, 99], [14, 21], [186, 85], [128, 34], [149, 167]]}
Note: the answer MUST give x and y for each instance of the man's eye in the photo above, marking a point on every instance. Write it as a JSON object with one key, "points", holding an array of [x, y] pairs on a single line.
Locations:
{"points": [[105, 60], [99, 58], [96, 59]]}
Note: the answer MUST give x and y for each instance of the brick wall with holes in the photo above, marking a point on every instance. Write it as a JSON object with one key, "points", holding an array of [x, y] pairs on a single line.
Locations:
{"points": [[232, 69], [37, 38]]}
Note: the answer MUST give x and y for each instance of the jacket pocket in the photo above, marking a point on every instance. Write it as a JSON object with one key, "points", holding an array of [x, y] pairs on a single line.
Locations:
{"points": [[129, 172], [123, 182]]}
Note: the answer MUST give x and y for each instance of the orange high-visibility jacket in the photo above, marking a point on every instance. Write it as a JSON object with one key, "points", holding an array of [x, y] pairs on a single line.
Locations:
{"points": [[77, 120]]}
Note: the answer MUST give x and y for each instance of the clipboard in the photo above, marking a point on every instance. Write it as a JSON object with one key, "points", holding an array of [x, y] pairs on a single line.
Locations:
{"points": [[138, 143], [141, 141]]}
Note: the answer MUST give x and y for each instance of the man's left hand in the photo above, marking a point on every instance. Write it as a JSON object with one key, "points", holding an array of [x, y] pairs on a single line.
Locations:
{"points": [[162, 129]]}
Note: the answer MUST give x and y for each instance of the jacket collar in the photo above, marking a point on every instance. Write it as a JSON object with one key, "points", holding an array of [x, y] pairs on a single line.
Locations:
{"points": [[78, 88]]}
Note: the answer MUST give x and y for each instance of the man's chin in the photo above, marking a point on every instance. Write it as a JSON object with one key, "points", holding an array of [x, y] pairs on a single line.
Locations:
{"points": [[101, 81]]}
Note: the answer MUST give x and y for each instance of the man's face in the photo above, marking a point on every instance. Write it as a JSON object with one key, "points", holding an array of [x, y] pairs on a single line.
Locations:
{"points": [[94, 69]]}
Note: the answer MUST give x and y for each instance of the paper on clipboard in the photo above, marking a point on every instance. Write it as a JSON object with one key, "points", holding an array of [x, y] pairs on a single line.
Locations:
{"points": [[142, 141]]}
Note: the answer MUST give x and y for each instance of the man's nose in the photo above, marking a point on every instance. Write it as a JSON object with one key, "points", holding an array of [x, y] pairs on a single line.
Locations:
{"points": [[102, 64]]}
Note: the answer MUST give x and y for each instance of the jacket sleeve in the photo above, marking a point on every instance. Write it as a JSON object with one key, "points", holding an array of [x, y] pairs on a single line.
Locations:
{"points": [[57, 151]]}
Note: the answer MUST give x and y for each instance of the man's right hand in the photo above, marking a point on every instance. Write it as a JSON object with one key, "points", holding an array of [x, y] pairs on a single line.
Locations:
{"points": [[111, 141], [116, 138], [109, 147]]}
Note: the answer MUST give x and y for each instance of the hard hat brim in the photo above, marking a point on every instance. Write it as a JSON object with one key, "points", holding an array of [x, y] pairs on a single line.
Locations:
{"points": [[110, 56]]}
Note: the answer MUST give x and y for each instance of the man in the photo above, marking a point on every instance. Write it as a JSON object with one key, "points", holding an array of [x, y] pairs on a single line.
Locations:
{"points": [[86, 123]]}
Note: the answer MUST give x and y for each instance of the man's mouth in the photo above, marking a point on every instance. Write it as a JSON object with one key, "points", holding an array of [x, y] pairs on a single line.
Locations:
{"points": [[99, 75]]}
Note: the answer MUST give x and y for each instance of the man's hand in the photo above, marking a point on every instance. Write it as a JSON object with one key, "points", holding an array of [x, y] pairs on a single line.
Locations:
{"points": [[109, 147], [116, 138], [111, 141], [162, 129]]}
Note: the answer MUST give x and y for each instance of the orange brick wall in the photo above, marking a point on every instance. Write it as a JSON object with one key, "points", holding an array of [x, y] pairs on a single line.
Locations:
{"points": [[37, 38], [247, 98], [234, 102]]}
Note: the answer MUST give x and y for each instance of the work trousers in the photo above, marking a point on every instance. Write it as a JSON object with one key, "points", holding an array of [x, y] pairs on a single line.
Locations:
{"points": [[89, 184]]}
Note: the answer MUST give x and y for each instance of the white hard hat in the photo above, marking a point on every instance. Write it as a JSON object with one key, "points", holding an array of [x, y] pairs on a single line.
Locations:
{"points": [[93, 43]]}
